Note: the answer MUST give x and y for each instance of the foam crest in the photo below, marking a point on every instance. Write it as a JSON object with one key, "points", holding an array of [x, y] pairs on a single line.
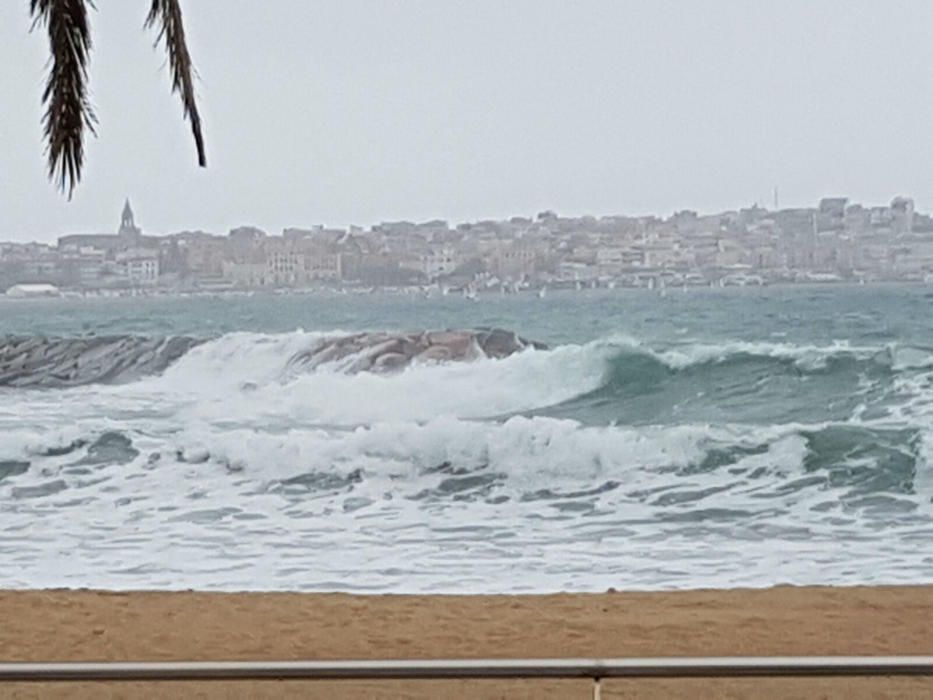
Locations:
{"points": [[528, 451], [254, 379], [807, 357], [234, 359], [483, 388]]}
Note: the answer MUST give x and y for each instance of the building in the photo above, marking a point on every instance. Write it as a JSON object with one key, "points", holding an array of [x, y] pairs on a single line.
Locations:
{"points": [[439, 262], [902, 212], [139, 266], [129, 234], [833, 240], [832, 213], [32, 291]]}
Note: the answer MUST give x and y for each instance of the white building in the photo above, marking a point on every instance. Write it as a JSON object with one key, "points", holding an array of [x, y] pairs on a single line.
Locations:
{"points": [[139, 266], [31, 291], [438, 262]]}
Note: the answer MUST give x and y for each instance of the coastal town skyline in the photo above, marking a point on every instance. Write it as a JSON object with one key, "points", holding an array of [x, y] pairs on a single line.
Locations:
{"points": [[837, 240], [774, 199]]}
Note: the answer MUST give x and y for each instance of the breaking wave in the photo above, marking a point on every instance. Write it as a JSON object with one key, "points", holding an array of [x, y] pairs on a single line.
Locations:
{"points": [[245, 442], [63, 362], [340, 378], [664, 472]]}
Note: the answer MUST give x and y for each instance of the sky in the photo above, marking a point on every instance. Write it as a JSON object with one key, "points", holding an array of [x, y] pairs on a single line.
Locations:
{"points": [[345, 112]]}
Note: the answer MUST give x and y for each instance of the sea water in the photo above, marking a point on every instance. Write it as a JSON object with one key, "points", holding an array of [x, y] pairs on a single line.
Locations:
{"points": [[728, 437]]}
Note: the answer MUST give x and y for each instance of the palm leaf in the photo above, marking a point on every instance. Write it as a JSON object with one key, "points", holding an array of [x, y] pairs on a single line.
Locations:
{"points": [[68, 111], [166, 14]]}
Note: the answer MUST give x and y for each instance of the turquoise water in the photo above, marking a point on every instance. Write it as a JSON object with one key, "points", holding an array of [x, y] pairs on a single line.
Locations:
{"points": [[713, 437], [811, 314]]}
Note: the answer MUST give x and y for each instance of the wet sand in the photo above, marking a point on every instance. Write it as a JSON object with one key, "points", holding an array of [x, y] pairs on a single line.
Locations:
{"points": [[92, 626]]}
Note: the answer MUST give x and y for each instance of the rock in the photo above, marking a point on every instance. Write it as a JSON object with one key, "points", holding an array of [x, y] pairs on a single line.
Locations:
{"points": [[32, 361], [383, 352], [461, 344], [499, 343], [64, 362], [390, 360], [435, 353]]}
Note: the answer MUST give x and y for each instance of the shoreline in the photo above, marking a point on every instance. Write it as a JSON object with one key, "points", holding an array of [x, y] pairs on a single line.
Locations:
{"points": [[95, 625], [418, 291]]}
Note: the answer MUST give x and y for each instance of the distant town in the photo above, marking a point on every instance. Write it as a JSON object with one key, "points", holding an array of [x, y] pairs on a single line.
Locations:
{"points": [[836, 241]]}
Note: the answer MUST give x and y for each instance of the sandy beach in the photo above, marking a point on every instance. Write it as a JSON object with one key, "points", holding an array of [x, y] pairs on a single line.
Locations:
{"points": [[60, 625]]}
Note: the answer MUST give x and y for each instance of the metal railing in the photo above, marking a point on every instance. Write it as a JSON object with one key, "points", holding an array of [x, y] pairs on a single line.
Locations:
{"points": [[659, 667]]}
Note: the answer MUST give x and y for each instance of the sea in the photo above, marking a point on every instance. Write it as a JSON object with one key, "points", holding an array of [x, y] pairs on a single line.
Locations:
{"points": [[696, 438]]}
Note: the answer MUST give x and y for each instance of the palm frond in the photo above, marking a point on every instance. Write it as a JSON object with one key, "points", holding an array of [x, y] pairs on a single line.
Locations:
{"points": [[68, 113], [166, 14]]}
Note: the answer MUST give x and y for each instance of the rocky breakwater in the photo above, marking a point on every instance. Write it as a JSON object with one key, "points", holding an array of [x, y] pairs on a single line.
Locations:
{"points": [[35, 361], [386, 352], [41, 362]]}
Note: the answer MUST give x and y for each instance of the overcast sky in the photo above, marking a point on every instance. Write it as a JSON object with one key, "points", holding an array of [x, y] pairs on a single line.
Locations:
{"points": [[353, 111]]}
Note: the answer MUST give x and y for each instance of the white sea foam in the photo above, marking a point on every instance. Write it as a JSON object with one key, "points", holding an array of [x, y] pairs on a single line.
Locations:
{"points": [[437, 483], [528, 450], [808, 357], [245, 377]]}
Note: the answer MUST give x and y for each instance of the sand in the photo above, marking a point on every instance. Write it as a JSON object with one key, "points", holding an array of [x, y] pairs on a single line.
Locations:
{"points": [[91, 626]]}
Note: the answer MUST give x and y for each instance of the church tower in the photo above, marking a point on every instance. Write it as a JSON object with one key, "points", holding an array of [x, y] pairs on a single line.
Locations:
{"points": [[127, 219], [129, 233]]}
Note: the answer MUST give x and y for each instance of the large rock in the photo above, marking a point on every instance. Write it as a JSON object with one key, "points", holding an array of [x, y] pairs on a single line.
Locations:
{"points": [[383, 352], [64, 362], [35, 361]]}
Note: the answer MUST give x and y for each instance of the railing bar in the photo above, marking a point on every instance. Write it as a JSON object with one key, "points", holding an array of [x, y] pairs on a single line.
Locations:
{"points": [[398, 669]]}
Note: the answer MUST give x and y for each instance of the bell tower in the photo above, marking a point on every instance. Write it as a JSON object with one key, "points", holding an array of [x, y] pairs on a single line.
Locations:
{"points": [[128, 233], [126, 221]]}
